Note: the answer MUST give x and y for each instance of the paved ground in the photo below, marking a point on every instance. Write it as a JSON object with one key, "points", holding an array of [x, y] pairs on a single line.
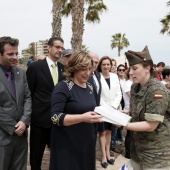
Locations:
{"points": [[119, 159]]}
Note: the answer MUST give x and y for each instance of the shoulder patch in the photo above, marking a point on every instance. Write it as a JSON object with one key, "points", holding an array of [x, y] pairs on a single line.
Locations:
{"points": [[158, 96]]}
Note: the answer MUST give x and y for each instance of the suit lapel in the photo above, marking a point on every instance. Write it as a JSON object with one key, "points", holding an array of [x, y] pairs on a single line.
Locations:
{"points": [[47, 73], [104, 84], [60, 71], [17, 80], [98, 76], [4, 80], [91, 81]]}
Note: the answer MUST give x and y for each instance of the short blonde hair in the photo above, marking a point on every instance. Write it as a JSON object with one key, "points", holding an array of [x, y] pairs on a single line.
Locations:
{"points": [[78, 61]]}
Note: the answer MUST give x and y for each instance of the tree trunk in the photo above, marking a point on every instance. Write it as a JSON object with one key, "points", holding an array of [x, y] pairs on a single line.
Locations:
{"points": [[77, 24], [118, 52], [56, 23]]}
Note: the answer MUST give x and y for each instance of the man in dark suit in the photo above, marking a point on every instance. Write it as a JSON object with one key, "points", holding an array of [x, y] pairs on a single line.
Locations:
{"points": [[41, 82], [94, 80], [15, 108]]}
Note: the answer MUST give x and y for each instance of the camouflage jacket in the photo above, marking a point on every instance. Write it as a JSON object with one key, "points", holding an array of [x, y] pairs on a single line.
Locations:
{"points": [[151, 103]]}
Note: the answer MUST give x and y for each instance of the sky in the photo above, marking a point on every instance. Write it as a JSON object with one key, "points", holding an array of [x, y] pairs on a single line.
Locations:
{"points": [[30, 21]]}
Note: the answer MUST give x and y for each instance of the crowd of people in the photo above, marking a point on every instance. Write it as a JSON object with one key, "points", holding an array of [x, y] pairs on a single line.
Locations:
{"points": [[57, 100]]}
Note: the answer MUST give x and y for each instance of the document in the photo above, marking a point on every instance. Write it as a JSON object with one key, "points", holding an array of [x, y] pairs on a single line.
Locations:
{"points": [[112, 115]]}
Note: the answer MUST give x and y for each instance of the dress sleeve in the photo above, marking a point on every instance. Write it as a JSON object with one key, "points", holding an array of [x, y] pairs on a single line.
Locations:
{"points": [[58, 101], [156, 105]]}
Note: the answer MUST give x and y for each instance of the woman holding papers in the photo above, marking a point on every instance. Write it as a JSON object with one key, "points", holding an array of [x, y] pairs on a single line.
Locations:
{"points": [[111, 96], [72, 113], [150, 111]]}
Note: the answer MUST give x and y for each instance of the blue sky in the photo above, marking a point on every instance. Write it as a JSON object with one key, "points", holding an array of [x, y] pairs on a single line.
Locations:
{"points": [[30, 21]]}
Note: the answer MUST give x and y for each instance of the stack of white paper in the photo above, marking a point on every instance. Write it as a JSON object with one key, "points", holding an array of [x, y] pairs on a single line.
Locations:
{"points": [[112, 115]]}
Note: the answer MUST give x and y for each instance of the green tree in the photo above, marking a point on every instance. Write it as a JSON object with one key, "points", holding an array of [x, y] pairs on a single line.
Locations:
{"points": [[119, 41], [31, 49], [166, 23]]}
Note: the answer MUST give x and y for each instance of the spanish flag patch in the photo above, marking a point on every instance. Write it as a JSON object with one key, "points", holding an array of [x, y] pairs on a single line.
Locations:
{"points": [[158, 96]]}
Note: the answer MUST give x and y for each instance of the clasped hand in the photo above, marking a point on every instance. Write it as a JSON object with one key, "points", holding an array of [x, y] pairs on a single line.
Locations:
{"points": [[20, 128]]}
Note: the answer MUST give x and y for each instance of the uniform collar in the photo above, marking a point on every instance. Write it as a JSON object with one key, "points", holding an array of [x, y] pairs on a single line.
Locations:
{"points": [[138, 90]]}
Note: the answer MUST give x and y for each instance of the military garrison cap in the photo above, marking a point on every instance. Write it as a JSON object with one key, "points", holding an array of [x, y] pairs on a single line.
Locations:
{"points": [[138, 57]]}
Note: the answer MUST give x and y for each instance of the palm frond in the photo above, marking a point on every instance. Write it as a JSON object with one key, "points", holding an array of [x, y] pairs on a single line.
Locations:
{"points": [[66, 11], [94, 9], [165, 25]]}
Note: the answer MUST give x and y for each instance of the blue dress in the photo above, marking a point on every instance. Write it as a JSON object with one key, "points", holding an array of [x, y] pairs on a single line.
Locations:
{"points": [[72, 147]]}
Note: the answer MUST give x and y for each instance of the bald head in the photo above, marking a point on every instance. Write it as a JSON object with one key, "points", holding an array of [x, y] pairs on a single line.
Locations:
{"points": [[95, 58]]}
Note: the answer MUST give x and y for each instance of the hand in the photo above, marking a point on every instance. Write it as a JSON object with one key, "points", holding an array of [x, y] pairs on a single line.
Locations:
{"points": [[125, 111], [91, 117], [20, 128]]}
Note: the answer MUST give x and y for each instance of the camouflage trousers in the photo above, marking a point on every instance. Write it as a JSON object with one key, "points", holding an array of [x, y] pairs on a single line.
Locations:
{"points": [[137, 166]]}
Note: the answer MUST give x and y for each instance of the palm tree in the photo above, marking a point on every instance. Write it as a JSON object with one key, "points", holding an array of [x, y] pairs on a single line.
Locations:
{"points": [[166, 23], [77, 10], [119, 41], [77, 13], [57, 15]]}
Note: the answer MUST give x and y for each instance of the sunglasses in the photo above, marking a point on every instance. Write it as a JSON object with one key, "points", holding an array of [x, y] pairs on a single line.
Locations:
{"points": [[121, 70]]}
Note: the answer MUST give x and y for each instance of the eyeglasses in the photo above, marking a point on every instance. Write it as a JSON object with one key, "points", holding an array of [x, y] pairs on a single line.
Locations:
{"points": [[121, 70], [59, 47]]}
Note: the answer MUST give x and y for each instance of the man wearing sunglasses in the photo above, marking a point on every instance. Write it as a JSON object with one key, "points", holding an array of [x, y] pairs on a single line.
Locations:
{"points": [[42, 77]]}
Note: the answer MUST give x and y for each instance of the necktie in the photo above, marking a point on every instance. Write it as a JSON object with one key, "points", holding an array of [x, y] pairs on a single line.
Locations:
{"points": [[11, 83], [54, 74]]}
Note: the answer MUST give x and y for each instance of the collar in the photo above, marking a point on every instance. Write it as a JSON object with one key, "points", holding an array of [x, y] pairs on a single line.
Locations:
{"points": [[5, 70], [138, 90], [50, 62]]}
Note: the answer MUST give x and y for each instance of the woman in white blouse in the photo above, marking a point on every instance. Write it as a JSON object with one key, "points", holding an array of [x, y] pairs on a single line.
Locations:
{"points": [[111, 96]]}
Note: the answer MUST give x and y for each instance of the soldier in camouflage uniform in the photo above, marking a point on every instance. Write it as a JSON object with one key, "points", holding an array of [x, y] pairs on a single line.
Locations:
{"points": [[150, 111]]}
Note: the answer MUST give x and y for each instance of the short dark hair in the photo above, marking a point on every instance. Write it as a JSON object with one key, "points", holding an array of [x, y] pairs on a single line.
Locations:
{"points": [[7, 40], [51, 40], [149, 63], [165, 72], [101, 60], [160, 64]]}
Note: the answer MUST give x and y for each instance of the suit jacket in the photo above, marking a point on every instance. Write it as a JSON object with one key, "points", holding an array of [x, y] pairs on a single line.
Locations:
{"points": [[112, 96], [13, 109], [91, 81], [41, 86]]}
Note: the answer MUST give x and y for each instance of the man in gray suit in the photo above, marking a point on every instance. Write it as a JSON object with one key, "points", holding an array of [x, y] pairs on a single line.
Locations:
{"points": [[15, 108]]}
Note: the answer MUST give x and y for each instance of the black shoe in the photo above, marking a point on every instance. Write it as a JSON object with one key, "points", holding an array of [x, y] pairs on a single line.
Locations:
{"points": [[111, 161], [104, 164], [116, 150]]}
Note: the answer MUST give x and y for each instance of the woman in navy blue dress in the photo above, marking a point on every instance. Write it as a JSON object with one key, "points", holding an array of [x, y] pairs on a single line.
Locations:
{"points": [[73, 103]]}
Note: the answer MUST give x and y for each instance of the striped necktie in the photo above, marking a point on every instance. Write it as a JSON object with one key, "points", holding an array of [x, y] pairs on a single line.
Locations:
{"points": [[54, 73]]}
